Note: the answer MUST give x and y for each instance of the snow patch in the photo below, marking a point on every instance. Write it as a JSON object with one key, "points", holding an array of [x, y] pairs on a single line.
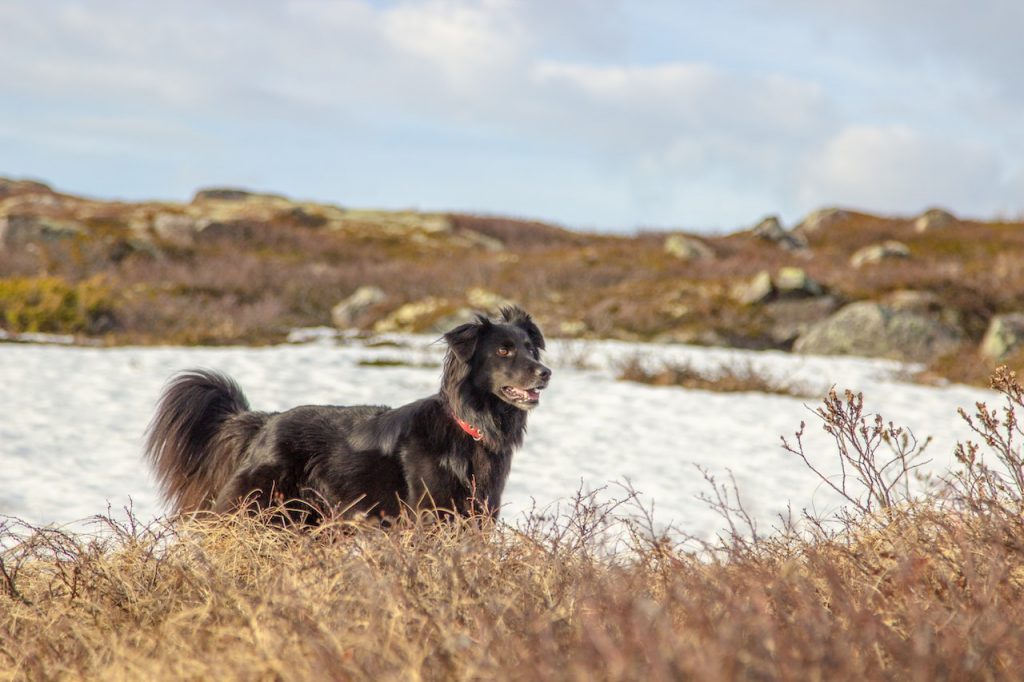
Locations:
{"points": [[73, 420]]}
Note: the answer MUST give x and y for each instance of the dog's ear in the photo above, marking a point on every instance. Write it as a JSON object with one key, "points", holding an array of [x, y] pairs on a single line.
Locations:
{"points": [[462, 340], [519, 317]]}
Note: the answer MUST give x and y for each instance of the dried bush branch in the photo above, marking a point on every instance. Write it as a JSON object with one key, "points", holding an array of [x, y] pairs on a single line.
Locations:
{"points": [[882, 480], [908, 588]]}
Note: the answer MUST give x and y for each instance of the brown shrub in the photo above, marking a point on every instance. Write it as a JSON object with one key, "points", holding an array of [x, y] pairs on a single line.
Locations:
{"points": [[517, 233], [265, 267], [926, 587], [735, 377]]}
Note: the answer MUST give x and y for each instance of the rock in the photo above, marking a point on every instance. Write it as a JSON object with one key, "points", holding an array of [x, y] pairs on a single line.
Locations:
{"points": [[913, 300], [451, 320], [771, 230], [756, 290], [789, 318], [416, 316], [228, 230], [1005, 334], [176, 228], [302, 217], [876, 253], [821, 220], [788, 282], [875, 329], [230, 194], [793, 282], [19, 230], [572, 328], [346, 314], [485, 300], [934, 219], [688, 248]]}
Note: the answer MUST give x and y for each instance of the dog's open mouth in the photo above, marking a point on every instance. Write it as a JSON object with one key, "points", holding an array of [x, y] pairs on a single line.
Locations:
{"points": [[530, 396]]}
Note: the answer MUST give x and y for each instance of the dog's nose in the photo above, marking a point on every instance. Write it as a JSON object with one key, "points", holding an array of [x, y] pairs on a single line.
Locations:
{"points": [[543, 372]]}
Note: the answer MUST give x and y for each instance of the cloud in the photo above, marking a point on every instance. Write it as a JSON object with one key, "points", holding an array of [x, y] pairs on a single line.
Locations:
{"points": [[961, 41], [680, 129], [676, 135], [898, 169], [690, 97], [484, 64]]}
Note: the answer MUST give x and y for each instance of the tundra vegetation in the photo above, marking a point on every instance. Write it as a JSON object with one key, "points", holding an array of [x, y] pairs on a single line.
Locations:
{"points": [[233, 267], [908, 580]]}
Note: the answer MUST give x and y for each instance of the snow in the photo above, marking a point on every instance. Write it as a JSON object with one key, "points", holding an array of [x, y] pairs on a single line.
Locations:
{"points": [[73, 420]]}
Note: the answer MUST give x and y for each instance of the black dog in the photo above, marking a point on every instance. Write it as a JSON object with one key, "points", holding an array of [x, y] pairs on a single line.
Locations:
{"points": [[451, 451]]}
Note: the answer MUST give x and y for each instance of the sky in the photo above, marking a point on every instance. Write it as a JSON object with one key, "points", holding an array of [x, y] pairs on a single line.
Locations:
{"points": [[595, 114]]}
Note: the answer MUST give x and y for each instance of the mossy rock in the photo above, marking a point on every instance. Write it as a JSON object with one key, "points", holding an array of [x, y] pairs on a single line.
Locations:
{"points": [[18, 230], [873, 329], [1004, 336]]}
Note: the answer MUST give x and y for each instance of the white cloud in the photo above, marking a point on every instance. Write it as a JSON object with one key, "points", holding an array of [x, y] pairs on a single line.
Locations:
{"points": [[693, 95], [464, 42], [969, 47], [552, 83], [691, 122], [898, 169]]}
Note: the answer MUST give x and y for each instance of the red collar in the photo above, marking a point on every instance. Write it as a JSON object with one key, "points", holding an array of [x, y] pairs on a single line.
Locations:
{"points": [[469, 428]]}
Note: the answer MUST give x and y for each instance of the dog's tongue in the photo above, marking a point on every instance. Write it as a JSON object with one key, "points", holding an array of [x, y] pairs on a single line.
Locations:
{"points": [[524, 394]]}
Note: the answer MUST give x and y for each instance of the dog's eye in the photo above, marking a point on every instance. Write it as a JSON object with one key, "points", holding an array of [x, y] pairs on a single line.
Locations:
{"points": [[504, 351]]}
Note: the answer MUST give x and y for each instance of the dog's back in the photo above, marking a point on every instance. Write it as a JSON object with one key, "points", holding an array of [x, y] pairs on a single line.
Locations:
{"points": [[198, 437]]}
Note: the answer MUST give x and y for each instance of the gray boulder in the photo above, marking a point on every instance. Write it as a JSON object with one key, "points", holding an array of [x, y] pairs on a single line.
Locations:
{"points": [[915, 300], [450, 321], [230, 194], [934, 219], [793, 282], [229, 230], [1004, 335], [755, 290], [18, 230], [414, 316], [821, 220], [176, 228], [687, 248], [876, 253], [788, 318], [346, 314], [770, 229], [887, 330], [788, 282]]}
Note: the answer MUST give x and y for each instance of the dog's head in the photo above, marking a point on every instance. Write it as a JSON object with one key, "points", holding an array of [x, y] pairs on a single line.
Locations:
{"points": [[502, 357]]}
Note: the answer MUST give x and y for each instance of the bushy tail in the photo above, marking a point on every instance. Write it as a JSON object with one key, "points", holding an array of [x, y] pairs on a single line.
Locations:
{"points": [[197, 437]]}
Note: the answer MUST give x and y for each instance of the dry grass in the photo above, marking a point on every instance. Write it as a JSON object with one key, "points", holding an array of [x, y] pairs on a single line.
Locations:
{"points": [[927, 595], [735, 377], [893, 587]]}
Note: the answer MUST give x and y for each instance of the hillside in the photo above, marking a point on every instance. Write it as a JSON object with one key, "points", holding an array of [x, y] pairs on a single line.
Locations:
{"points": [[233, 266]]}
